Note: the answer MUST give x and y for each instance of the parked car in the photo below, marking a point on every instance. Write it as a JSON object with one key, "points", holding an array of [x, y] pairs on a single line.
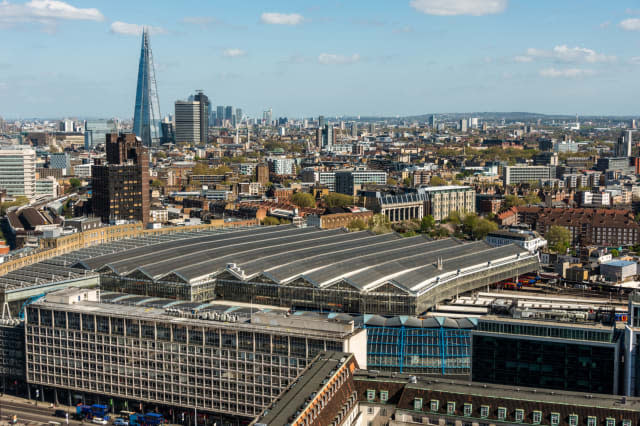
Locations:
{"points": [[99, 420], [60, 413], [120, 422]]}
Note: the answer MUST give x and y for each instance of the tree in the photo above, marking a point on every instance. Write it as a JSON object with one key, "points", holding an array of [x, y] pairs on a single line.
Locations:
{"points": [[357, 225], [391, 181], [482, 227], [406, 182], [427, 223], [380, 224], [615, 252], [454, 217], [270, 221], [335, 199], [558, 238], [157, 183], [75, 183], [303, 199], [512, 201], [532, 198], [203, 169], [436, 181]]}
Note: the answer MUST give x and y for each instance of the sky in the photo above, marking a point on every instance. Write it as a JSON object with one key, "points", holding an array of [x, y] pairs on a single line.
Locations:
{"points": [[79, 58]]}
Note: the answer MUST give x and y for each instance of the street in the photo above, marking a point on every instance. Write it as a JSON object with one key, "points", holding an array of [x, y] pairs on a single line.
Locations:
{"points": [[30, 414]]}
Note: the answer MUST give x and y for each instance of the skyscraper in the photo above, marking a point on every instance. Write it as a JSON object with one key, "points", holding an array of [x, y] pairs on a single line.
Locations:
{"points": [[187, 121], [146, 117], [204, 115], [219, 115], [238, 115]]}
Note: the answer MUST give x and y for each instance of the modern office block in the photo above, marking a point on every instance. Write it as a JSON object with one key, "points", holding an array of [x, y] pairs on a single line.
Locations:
{"points": [[349, 181], [547, 354], [187, 119], [18, 170], [513, 175], [213, 358]]}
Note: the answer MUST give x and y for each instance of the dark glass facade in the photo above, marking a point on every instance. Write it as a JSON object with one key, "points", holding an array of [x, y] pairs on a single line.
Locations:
{"points": [[579, 367]]}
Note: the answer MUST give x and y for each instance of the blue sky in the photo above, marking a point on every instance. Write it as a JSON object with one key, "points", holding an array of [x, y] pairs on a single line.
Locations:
{"points": [[308, 57]]}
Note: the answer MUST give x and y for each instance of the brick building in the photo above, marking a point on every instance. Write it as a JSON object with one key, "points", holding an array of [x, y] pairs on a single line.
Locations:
{"points": [[603, 227]]}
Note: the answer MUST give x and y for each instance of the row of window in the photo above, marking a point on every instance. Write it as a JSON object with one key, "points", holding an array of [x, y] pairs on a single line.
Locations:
{"points": [[501, 413]]}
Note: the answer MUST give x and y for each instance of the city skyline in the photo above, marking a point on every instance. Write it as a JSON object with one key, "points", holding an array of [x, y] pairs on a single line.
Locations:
{"points": [[412, 58]]}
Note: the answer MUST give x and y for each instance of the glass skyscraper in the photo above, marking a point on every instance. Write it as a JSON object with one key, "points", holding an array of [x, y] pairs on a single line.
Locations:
{"points": [[146, 118]]}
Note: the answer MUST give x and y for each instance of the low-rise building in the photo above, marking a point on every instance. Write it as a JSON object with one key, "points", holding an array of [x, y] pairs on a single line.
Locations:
{"points": [[529, 240]]}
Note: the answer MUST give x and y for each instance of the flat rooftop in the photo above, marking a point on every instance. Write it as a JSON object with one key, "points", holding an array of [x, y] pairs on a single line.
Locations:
{"points": [[214, 315]]}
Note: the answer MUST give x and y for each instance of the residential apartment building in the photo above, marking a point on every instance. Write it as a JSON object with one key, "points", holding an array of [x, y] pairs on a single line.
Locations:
{"points": [[121, 187], [18, 171], [442, 200], [588, 226], [216, 358], [281, 166]]}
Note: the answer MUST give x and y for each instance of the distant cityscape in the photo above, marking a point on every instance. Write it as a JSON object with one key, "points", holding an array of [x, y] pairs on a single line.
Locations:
{"points": [[209, 267]]}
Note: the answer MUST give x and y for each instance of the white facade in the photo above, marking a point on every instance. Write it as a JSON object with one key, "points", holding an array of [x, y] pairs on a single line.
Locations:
{"points": [[82, 170], [281, 166], [18, 171], [513, 175], [528, 240]]}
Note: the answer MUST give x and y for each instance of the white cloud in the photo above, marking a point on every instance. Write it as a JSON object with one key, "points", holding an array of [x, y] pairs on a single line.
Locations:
{"points": [[566, 54], [459, 7], [234, 53], [332, 59], [605, 24], [281, 18], [124, 28], [565, 73], [631, 24], [45, 12]]}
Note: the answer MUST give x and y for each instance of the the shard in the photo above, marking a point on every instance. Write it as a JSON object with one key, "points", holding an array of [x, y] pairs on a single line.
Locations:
{"points": [[146, 117]]}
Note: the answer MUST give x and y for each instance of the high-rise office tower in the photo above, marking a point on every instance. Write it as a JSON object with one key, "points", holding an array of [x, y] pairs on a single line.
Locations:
{"points": [[623, 147], [187, 120], [267, 116], [354, 129], [96, 132], [434, 121], [204, 115], [239, 115], [121, 187], [463, 125], [326, 137], [321, 122], [146, 117], [18, 170], [228, 113], [219, 115]]}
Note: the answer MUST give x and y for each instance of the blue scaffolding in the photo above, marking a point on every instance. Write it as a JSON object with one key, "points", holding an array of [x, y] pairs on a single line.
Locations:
{"points": [[433, 345]]}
